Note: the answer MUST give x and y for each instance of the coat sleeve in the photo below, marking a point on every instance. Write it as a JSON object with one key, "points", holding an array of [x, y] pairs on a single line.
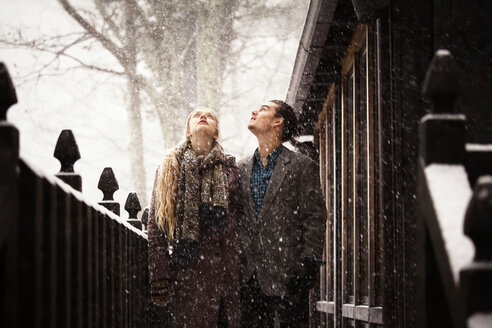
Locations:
{"points": [[313, 211], [158, 256], [232, 246], [235, 209]]}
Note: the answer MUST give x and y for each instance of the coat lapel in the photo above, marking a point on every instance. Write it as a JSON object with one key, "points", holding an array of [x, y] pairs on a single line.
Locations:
{"points": [[248, 168], [278, 175]]}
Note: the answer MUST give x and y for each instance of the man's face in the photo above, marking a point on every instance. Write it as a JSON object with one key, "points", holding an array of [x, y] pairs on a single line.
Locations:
{"points": [[202, 121], [265, 118]]}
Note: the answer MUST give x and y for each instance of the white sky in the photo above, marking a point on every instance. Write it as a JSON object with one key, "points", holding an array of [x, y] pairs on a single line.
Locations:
{"points": [[92, 104]]}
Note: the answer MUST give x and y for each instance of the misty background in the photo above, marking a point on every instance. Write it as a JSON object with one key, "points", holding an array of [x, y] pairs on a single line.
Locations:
{"points": [[124, 74]]}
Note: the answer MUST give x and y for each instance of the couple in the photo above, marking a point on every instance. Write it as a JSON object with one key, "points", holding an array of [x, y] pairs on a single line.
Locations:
{"points": [[231, 245]]}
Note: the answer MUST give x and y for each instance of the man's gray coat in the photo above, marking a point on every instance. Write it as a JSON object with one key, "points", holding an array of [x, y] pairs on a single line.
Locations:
{"points": [[290, 225]]}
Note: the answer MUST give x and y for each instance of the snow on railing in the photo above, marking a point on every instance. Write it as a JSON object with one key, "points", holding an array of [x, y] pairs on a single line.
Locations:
{"points": [[450, 192], [456, 219], [66, 261]]}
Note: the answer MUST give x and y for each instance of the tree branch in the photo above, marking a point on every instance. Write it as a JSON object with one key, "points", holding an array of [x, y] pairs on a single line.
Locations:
{"points": [[113, 49], [32, 45], [108, 44], [141, 14], [107, 18]]}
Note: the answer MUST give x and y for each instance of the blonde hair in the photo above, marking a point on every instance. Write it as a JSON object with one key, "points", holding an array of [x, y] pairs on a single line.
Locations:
{"points": [[166, 193], [167, 185]]}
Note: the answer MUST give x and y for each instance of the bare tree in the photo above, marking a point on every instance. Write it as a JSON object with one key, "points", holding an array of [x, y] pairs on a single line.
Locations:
{"points": [[175, 53]]}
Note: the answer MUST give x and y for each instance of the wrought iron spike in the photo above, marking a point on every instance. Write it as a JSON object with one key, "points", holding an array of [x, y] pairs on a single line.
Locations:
{"points": [[442, 82], [132, 205], [108, 183], [8, 96], [478, 222], [145, 216], [66, 151]]}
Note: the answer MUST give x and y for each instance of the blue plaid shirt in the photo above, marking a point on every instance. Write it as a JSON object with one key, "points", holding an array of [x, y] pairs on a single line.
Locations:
{"points": [[260, 176]]}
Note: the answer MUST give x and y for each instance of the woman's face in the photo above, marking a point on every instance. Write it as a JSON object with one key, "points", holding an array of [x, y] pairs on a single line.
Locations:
{"points": [[202, 121]]}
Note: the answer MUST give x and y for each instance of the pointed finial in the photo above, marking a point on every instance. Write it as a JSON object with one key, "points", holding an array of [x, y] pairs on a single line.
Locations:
{"points": [[66, 151], [145, 218], [132, 206], [108, 183], [476, 277], [8, 96], [478, 219], [442, 82]]}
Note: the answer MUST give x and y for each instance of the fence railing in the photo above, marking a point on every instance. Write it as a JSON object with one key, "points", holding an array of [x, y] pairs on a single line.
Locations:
{"points": [[455, 211], [64, 261]]}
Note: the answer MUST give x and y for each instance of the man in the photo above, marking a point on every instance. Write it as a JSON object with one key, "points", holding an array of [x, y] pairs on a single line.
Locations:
{"points": [[283, 225]]}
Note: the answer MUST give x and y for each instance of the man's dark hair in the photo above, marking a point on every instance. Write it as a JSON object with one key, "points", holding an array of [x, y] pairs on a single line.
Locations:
{"points": [[290, 120]]}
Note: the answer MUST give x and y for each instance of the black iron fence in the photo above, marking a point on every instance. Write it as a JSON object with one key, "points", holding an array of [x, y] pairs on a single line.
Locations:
{"points": [[455, 211], [65, 262]]}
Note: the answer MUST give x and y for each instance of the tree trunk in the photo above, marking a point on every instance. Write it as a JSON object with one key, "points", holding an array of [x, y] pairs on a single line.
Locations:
{"points": [[209, 61], [136, 148]]}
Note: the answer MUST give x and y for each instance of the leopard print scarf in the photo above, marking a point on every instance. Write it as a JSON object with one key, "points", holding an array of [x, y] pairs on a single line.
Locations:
{"points": [[213, 189]]}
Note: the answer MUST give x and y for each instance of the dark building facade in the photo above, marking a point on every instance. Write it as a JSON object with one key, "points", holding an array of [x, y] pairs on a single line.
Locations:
{"points": [[357, 88]]}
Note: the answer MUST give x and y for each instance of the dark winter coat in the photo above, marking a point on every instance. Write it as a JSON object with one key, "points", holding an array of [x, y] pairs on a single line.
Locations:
{"points": [[289, 227], [199, 288]]}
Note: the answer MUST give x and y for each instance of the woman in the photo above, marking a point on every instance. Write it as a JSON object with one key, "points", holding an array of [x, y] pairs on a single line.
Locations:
{"points": [[193, 253]]}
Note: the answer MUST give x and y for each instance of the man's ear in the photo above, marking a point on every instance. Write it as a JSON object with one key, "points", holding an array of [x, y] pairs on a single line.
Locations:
{"points": [[278, 121]]}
